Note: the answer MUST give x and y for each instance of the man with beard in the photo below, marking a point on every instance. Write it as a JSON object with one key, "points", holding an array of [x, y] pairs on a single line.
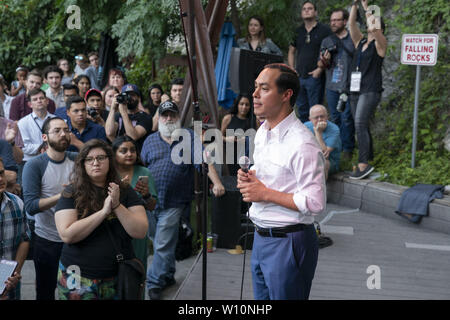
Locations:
{"points": [[44, 178], [129, 120], [175, 185], [337, 64]]}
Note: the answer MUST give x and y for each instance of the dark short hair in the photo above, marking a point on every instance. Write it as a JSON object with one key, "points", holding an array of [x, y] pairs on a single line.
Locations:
{"points": [[53, 68], [288, 79], [35, 92], [70, 86], [345, 13], [314, 5], [72, 100], [46, 125], [176, 81], [92, 53]]}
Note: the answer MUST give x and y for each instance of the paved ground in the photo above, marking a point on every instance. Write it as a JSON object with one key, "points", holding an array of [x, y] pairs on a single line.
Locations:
{"points": [[412, 263], [364, 245]]}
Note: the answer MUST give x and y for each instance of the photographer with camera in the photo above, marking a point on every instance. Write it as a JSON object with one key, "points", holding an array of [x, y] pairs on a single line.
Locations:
{"points": [[336, 55], [125, 117], [96, 111], [81, 128]]}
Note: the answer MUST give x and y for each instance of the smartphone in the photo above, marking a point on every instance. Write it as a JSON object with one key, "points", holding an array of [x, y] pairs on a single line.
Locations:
{"points": [[7, 268], [143, 179]]}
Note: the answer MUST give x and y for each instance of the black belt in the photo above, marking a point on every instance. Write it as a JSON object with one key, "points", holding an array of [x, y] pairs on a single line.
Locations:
{"points": [[281, 231]]}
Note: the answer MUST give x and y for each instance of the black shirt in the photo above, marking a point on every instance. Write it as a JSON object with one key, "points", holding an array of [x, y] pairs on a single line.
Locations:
{"points": [[137, 119], [308, 52], [370, 67], [95, 255]]}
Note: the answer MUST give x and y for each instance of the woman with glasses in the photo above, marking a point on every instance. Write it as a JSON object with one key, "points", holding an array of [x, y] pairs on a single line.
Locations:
{"points": [[141, 180], [95, 201], [64, 65]]}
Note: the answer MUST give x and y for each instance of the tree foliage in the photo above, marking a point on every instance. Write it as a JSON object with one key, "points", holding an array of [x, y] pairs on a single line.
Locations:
{"points": [[34, 33]]}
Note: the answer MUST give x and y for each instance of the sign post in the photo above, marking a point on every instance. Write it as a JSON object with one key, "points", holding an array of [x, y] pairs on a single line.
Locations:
{"points": [[418, 50]]}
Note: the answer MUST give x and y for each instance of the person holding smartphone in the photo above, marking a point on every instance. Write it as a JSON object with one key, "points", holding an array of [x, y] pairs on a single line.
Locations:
{"points": [[140, 179]]}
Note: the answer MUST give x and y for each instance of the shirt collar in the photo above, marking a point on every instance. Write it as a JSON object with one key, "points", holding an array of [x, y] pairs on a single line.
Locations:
{"points": [[281, 128], [5, 200], [35, 116]]}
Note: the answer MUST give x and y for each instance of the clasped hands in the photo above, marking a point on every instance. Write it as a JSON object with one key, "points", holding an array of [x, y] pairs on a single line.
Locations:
{"points": [[112, 200]]}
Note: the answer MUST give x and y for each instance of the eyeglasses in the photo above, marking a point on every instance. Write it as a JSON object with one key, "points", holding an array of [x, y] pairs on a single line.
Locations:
{"points": [[59, 130], [91, 160]]}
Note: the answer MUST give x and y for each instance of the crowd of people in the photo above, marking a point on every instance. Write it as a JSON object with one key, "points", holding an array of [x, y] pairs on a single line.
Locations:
{"points": [[77, 160]]}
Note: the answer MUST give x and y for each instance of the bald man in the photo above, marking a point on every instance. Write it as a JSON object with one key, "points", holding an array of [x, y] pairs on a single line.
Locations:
{"points": [[328, 136]]}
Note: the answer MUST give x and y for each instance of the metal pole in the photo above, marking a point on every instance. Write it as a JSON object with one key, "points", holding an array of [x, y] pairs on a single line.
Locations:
{"points": [[204, 227], [416, 112]]}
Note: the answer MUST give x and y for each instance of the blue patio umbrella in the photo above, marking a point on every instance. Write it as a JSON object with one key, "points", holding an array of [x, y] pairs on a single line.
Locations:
{"points": [[225, 95]]}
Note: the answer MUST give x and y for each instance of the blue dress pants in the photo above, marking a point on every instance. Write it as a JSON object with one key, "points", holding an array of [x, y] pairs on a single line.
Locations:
{"points": [[283, 268]]}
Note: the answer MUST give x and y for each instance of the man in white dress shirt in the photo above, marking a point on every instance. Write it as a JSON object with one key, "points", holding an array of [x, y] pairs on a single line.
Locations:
{"points": [[287, 188], [30, 126]]}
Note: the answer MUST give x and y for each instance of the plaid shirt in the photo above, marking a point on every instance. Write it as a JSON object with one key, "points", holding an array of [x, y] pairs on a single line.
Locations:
{"points": [[13, 226], [174, 182]]}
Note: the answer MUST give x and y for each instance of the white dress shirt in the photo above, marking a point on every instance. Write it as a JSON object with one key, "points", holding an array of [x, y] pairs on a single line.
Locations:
{"points": [[30, 128], [288, 159], [7, 105]]}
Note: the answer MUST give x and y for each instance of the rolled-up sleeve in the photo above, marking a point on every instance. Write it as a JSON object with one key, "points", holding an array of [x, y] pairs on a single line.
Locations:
{"points": [[308, 167]]}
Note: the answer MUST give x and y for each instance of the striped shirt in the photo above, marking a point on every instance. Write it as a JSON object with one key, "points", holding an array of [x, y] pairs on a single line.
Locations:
{"points": [[13, 226]]}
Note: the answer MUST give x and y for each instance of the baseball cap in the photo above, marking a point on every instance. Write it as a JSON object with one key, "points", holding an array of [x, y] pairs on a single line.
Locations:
{"points": [[168, 106], [129, 87], [91, 92]]}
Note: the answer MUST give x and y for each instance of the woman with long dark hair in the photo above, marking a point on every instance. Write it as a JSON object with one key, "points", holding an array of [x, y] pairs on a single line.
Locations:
{"points": [[155, 93], [239, 117], [139, 177], [83, 83], [96, 200], [256, 38]]}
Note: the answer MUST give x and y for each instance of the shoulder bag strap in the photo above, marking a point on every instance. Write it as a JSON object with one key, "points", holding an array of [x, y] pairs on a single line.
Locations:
{"points": [[119, 255]]}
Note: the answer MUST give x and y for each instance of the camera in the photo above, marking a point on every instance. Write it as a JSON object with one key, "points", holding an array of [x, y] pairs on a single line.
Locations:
{"points": [[342, 101], [123, 98], [92, 112], [331, 49]]}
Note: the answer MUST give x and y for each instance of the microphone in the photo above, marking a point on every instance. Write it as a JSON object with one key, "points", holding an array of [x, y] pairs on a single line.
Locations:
{"points": [[244, 163]]}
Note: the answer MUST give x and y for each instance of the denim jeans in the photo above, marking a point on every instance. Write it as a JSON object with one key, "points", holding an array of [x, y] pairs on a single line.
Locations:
{"points": [[344, 120], [363, 107], [163, 231], [310, 94]]}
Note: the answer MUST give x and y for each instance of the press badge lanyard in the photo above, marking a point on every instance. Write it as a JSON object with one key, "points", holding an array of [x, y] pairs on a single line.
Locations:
{"points": [[355, 81]]}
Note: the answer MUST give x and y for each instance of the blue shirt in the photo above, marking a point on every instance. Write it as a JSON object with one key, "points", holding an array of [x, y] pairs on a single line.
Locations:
{"points": [[174, 182], [91, 131], [332, 138], [61, 112]]}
